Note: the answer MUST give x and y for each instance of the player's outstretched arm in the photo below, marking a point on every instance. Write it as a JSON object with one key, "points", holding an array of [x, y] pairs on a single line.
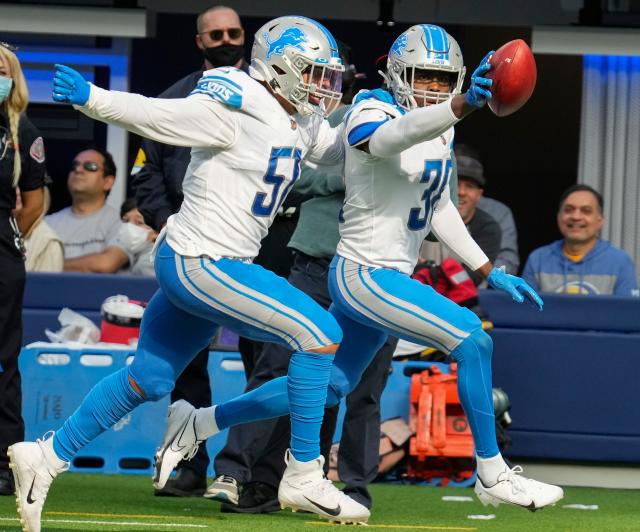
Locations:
{"points": [[191, 122]]}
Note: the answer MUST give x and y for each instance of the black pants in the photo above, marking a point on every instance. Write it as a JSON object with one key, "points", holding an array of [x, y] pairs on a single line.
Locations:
{"points": [[12, 280], [254, 452]]}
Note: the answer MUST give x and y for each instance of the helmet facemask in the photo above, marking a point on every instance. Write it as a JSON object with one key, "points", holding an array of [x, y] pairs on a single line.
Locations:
{"points": [[319, 89]]}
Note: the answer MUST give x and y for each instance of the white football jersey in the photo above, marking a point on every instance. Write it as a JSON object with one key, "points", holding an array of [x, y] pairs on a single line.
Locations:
{"points": [[246, 154], [389, 201]]}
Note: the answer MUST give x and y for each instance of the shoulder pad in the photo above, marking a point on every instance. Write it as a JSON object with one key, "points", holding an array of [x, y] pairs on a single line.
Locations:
{"points": [[365, 118], [224, 85]]}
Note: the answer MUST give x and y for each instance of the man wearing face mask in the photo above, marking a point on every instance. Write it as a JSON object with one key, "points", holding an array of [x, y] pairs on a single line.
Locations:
{"points": [[157, 185]]}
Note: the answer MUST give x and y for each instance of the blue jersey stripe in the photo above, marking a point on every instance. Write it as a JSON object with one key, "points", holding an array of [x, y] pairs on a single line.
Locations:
{"points": [[363, 131]]}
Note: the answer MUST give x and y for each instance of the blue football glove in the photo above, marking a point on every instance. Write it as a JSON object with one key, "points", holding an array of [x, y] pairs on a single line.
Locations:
{"points": [[69, 86], [516, 287], [478, 92]]}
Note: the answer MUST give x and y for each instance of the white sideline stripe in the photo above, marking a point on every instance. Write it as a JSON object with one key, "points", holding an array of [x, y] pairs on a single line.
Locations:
{"points": [[112, 523]]}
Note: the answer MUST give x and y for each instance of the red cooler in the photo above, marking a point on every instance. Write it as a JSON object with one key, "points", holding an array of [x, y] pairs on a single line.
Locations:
{"points": [[121, 318]]}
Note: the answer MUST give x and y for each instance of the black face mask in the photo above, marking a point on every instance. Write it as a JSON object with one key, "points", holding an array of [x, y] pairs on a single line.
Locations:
{"points": [[224, 55]]}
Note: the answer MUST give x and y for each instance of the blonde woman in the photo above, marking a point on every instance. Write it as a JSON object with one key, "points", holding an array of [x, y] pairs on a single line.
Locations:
{"points": [[21, 164]]}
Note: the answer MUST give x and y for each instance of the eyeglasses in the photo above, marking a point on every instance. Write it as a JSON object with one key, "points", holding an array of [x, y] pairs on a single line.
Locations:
{"points": [[89, 166], [218, 35], [9, 47]]}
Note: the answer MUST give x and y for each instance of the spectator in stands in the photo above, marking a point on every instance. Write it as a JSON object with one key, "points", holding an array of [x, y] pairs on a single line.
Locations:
{"points": [[44, 249], [138, 238], [89, 225], [482, 227], [157, 184], [250, 466], [21, 165], [508, 255], [581, 262]]}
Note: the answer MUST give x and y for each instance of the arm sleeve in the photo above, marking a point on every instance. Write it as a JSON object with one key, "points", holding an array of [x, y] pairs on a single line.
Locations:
{"points": [[425, 123], [196, 121], [451, 231], [328, 148], [149, 186], [626, 284]]}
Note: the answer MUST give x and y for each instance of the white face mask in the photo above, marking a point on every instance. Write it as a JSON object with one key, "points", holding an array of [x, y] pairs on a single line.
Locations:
{"points": [[5, 87], [134, 237]]}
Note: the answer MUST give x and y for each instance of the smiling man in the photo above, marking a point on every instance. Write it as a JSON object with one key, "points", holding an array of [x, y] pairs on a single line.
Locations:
{"points": [[581, 263]]}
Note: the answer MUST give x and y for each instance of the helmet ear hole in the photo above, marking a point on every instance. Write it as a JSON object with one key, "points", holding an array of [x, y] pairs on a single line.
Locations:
{"points": [[278, 70]]}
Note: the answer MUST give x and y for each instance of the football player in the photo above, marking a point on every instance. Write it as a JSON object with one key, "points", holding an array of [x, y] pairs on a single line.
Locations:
{"points": [[248, 136], [397, 167]]}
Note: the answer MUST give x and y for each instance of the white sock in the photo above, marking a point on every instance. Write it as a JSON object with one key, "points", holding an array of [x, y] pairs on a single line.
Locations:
{"points": [[58, 464], [206, 425], [490, 468]]}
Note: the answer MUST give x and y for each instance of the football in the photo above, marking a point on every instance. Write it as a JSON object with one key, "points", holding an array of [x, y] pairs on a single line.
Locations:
{"points": [[513, 71]]}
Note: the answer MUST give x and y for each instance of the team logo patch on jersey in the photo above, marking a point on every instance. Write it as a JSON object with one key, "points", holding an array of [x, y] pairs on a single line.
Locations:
{"points": [[399, 45], [289, 37], [220, 89], [37, 150]]}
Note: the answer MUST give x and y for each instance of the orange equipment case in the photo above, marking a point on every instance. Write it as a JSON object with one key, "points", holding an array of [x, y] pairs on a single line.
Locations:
{"points": [[442, 445]]}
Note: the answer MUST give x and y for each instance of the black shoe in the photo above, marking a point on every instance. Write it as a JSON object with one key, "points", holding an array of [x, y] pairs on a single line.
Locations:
{"points": [[255, 498], [186, 483], [359, 494], [7, 486]]}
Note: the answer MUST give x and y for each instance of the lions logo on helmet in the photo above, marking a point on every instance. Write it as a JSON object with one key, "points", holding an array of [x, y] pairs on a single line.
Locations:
{"points": [[298, 57], [424, 47], [399, 45], [289, 37]]}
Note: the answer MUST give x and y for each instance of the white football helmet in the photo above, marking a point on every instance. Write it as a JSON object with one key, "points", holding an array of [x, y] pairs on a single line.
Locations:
{"points": [[423, 47], [299, 59]]}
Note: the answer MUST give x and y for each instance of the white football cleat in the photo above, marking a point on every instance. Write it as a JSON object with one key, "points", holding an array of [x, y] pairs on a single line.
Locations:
{"points": [[304, 487], [512, 488], [179, 443], [34, 466]]}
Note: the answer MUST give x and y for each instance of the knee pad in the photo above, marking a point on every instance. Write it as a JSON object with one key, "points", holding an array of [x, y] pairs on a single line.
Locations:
{"points": [[154, 386], [478, 344]]}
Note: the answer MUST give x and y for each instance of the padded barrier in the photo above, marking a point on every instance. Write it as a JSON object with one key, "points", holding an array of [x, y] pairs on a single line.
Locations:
{"points": [[570, 371], [55, 380]]}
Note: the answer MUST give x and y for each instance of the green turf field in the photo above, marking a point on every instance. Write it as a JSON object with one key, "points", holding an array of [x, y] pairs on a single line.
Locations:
{"points": [[125, 503]]}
